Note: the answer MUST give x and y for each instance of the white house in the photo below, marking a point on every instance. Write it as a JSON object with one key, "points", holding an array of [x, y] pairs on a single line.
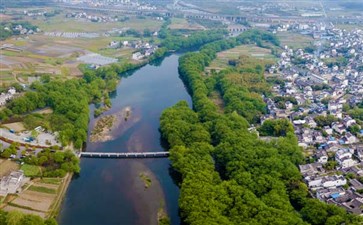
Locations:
{"points": [[344, 158], [10, 184], [314, 182], [137, 56], [333, 181], [348, 121], [322, 157]]}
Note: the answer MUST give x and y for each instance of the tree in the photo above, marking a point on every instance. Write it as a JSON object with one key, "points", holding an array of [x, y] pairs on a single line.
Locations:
{"points": [[279, 127], [314, 212], [147, 32]]}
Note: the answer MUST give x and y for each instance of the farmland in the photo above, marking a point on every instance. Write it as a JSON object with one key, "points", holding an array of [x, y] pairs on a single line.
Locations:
{"points": [[28, 57], [40, 196]]}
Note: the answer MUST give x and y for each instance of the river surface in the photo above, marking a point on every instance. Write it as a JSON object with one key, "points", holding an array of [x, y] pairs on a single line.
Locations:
{"points": [[110, 191]]}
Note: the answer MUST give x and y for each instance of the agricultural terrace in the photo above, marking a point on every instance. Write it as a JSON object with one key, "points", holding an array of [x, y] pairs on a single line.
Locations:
{"points": [[41, 196]]}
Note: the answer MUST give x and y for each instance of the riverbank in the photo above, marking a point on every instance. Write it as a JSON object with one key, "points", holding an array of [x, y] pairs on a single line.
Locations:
{"points": [[61, 195]]}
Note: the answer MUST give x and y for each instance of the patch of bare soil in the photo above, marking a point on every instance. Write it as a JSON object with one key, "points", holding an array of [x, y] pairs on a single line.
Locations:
{"points": [[7, 166]]}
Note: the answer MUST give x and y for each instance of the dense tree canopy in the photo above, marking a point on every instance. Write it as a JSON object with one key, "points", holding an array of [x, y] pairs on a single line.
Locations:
{"points": [[277, 128], [228, 175]]}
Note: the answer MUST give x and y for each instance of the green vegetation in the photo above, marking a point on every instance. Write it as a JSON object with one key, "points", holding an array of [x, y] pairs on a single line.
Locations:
{"points": [[357, 112], [146, 179], [276, 128], [172, 41], [228, 175], [11, 150], [31, 170], [281, 100], [6, 29], [323, 121], [56, 181], [55, 163], [42, 189], [18, 218]]}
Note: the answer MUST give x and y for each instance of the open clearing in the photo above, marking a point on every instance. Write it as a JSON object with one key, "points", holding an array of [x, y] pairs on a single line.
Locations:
{"points": [[17, 127], [222, 59], [7, 166], [60, 23], [294, 40], [183, 24], [30, 170]]}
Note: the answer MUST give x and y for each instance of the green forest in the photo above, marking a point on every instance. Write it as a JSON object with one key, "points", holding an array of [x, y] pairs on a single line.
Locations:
{"points": [[18, 218], [228, 175]]}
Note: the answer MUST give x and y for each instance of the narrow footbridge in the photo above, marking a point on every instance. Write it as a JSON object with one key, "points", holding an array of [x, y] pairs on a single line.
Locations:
{"points": [[124, 155]]}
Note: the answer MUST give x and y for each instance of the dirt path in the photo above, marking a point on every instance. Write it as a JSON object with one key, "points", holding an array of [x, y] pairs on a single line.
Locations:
{"points": [[54, 209]]}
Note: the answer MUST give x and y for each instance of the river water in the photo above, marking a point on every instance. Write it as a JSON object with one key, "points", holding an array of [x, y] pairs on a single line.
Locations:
{"points": [[110, 191]]}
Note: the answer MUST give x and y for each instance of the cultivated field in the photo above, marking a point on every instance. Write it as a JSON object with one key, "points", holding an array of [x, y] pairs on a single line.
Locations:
{"points": [[40, 196], [39, 54]]}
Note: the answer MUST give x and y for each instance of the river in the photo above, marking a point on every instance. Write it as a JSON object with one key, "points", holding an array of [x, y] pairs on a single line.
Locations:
{"points": [[110, 191]]}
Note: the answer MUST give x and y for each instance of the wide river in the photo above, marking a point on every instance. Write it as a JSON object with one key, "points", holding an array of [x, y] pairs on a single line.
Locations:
{"points": [[110, 191]]}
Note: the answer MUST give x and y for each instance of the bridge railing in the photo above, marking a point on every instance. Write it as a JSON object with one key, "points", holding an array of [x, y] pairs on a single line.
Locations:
{"points": [[124, 154]]}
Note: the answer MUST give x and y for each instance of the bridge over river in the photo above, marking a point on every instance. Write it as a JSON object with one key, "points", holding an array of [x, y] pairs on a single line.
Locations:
{"points": [[124, 155]]}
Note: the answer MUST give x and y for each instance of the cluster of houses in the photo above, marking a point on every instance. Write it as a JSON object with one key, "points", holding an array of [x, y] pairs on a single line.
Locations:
{"points": [[34, 13], [341, 186], [7, 96], [142, 49], [18, 28], [325, 83], [92, 18]]}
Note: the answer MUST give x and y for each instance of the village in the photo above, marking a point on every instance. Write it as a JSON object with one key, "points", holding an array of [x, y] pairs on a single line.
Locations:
{"points": [[320, 90]]}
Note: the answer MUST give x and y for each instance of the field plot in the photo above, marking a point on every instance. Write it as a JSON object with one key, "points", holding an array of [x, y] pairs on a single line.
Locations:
{"points": [[6, 77], [38, 55], [183, 24], [294, 40], [222, 59], [17, 127], [39, 197], [60, 23]]}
